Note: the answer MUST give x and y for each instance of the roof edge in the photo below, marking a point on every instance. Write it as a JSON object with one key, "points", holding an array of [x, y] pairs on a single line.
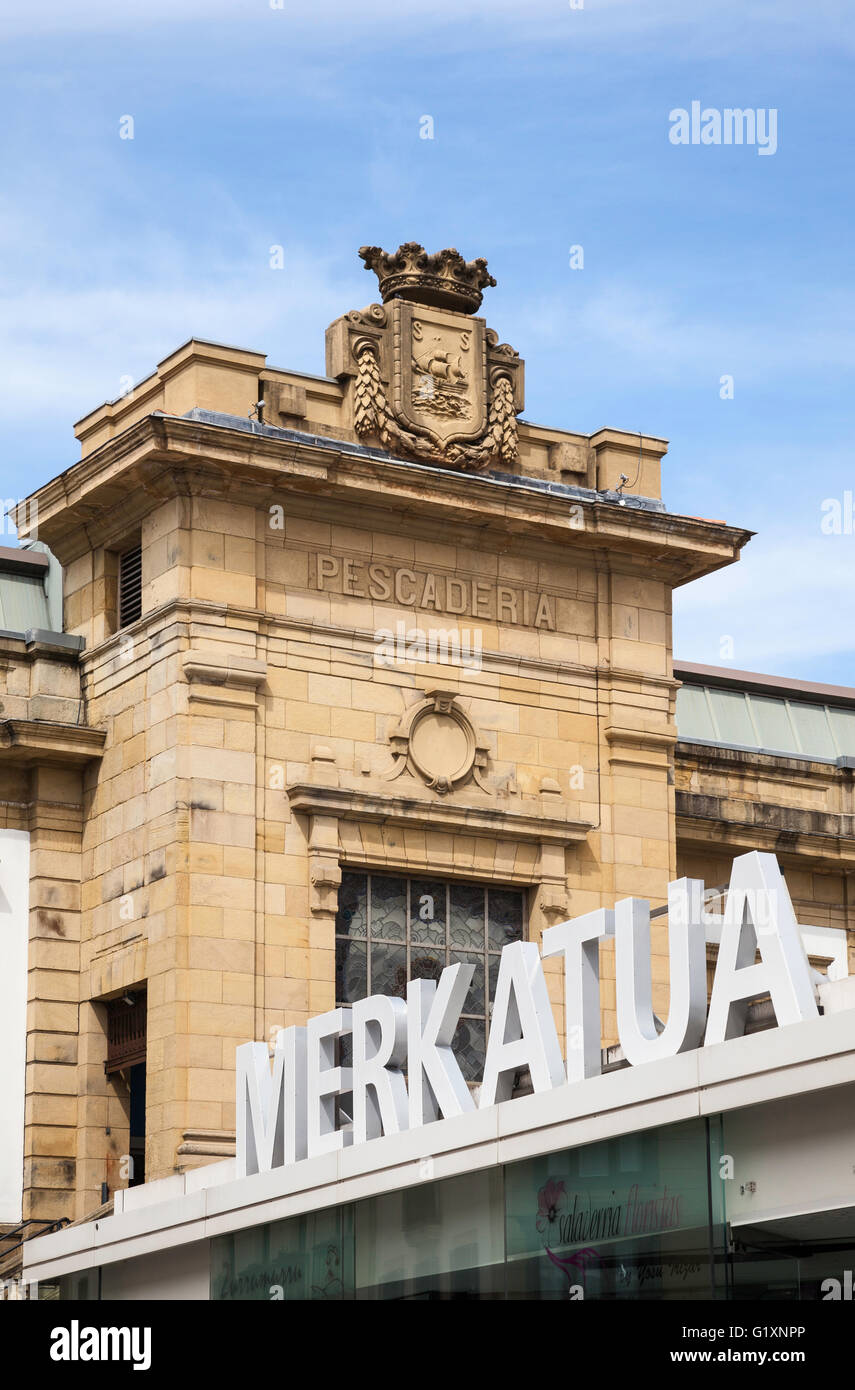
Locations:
{"points": [[725, 677]]}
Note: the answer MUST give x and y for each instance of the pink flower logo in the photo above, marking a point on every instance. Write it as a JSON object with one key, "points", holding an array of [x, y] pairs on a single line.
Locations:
{"points": [[550, 1203]]}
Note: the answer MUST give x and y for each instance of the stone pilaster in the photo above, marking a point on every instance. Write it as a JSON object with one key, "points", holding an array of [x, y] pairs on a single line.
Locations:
{"points": [[51, 1113]]}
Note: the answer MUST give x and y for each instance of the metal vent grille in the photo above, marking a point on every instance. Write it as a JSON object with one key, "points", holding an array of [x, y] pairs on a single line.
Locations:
{"points": [[130, 586]]}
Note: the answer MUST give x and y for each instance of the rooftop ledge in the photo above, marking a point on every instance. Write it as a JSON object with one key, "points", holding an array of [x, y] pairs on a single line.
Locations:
{"points": [[43, 741], [39, 641], [218, 450], [347, 446], [33, 564], [782, 686], [247, 360]]}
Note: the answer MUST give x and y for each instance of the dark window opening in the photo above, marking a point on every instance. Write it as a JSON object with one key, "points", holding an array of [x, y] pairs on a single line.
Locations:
{"points": [[136, 1147], [126, 1056]]}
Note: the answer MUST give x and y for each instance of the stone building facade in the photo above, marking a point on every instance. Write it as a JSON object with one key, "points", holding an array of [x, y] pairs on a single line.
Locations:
{"points": [[256, 691]]}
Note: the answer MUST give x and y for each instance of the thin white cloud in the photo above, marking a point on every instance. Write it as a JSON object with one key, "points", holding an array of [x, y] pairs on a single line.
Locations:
{"points": [[73, 331], [676, 343], [705, 29], [789, 601]]}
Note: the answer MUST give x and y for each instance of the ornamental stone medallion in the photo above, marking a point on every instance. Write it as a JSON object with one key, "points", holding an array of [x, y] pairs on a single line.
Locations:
{"points": [[438, 742], [430, 380]]}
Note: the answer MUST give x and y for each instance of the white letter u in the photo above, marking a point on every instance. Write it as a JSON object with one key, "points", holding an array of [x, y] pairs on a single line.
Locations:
{"points": [[642, 1037]]}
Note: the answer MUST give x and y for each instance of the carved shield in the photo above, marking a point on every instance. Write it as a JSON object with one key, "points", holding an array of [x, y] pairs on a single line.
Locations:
{"points": [[439, 372]]}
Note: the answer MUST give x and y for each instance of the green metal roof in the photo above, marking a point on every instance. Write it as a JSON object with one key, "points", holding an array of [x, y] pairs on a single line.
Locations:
{"points": [[30, 589], [23, 603], [745, 719]]}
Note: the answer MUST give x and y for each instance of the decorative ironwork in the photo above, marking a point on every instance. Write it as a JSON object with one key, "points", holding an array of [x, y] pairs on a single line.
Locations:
{"points": [[126, 1032]]}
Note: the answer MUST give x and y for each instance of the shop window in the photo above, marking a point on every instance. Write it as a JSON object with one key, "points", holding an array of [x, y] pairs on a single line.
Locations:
{"points": [[305, 1259], [634, 1217], [390, 930], [435, 1241]]}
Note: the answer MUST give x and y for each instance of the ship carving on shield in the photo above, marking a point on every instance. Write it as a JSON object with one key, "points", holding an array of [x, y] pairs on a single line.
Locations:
{"points": [[439, 373], [431, 381], [440, 383]]}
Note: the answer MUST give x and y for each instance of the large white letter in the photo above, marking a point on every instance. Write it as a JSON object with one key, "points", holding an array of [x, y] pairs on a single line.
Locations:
{"points": [[271, 1110], [382, 1020], [639, 1036], [436, 1082], [579, 942], [757, 898], [522, 1029], [679, 132], [61, 1339], [325, 1081]]}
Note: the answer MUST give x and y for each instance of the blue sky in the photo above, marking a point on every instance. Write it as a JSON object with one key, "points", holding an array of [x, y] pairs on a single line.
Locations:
{"points": [[299, 126]]}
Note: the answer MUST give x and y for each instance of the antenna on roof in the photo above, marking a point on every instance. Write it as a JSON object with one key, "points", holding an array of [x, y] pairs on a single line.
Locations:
{"points": [[624, 479]]}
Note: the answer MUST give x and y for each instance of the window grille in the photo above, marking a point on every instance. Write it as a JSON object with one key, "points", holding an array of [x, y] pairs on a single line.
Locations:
{"points": [[390, 930]]}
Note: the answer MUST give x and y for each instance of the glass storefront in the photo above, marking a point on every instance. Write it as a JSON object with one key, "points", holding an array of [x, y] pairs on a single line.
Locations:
{"points": [[636, 1217], [307, 1257]]}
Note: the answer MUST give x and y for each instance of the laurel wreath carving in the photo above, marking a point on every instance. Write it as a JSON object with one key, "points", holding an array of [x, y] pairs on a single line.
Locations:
{"points": [[372, 415]]}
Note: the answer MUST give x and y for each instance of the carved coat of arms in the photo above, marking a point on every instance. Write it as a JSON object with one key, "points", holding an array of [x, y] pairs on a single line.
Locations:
{"points": [[439, 372], [430, 380]]}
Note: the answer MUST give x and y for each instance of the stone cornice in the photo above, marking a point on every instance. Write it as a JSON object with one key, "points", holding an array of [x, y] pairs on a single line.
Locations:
{"points": [[309, 798], [38, 644], [723, 759], [738, 837], [641, 738], [640, 747], [40, 741], [206, 668], [763, 826], [205, 1143], [164, 456]]}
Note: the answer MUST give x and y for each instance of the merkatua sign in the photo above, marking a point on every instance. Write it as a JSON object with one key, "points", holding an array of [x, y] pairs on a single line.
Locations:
{"points": [[289, 1112]]}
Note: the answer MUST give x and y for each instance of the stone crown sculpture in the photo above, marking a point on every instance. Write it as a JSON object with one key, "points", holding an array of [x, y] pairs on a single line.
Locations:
{"points": [[430, 380], [444, 280]]}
